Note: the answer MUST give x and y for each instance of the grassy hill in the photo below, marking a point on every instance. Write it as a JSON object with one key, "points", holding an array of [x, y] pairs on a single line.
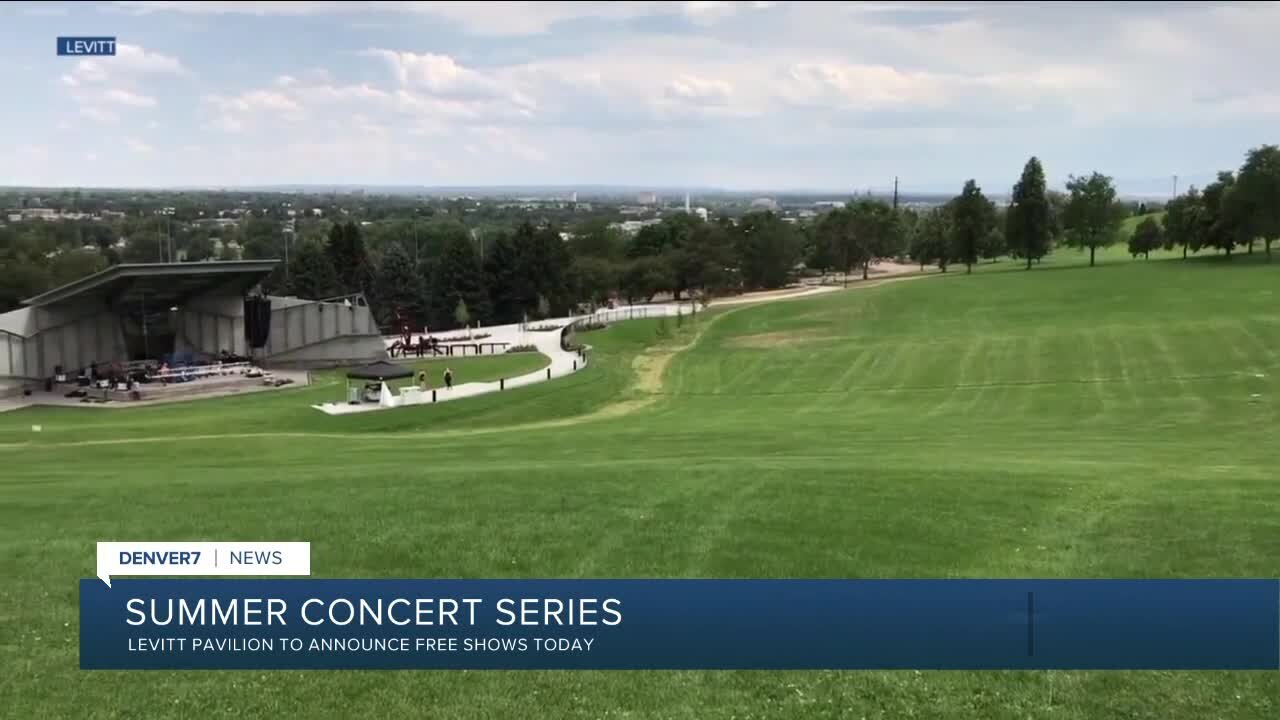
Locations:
{"points": [[1131, 223], [1117, 421]]}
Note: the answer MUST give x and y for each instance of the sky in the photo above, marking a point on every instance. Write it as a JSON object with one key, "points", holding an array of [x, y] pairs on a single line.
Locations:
{"points": [[736, 95]]}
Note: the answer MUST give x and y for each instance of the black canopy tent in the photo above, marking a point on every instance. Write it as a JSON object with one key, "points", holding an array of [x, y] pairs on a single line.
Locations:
{"points": [[380, 371]]}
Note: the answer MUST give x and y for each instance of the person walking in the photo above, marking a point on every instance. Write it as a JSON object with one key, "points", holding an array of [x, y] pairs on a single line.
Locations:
{"points": [[422, 379], [448, 379]]}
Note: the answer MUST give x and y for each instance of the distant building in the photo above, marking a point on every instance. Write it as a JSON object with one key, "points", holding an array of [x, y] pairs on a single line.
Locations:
{"points": [[700, 212], [631, 227], [216, 222], [39, 214], [764, 204], [647, 198], [829, 204]]}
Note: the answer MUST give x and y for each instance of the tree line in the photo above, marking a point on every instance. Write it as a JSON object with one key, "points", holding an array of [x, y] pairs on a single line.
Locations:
{"points": [[442, 274]]}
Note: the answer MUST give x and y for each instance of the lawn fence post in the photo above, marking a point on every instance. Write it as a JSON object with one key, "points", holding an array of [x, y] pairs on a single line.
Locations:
{"points": [[433, 395], [548, 372], [575, 366], [502, 383]]}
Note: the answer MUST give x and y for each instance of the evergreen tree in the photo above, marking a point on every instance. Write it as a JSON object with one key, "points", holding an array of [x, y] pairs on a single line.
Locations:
{"points": [[350, 261], [543, 264], [1028, 225], [400, 290], [767, 250], [311, 274], [501, 272], [973, 217], [458, 277]]}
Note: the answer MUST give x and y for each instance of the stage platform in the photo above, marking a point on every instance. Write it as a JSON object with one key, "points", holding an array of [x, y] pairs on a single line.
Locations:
{"points": [[157, 393]]}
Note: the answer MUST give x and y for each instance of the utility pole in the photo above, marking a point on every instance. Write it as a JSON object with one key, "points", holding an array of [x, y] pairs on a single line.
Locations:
{"points": [[1175, 186], [895, 192]]}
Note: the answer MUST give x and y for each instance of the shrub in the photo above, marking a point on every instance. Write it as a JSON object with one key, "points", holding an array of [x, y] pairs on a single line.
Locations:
{"points": [[522, 348]]}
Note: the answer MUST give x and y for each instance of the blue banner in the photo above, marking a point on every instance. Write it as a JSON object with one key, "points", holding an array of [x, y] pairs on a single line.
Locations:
{"points": [[680, 624], [93, 46]]}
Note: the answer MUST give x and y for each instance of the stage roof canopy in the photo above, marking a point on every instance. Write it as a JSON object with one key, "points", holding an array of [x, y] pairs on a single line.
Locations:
{"points": [[160, 284]]}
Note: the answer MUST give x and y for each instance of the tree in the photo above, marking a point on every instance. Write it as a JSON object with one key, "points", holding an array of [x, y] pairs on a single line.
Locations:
{"points": [[200, 247], [598, 239], [929, 237], [644, 277], [593, 278], [1146, 237], [311, 274], [1092, 216], [502, 278], [1028, 221], [1259, 194], [767, 249], [71, 265], [973, 217], [993, 245], [541, 268], [458, 278], [399, 291], [347, 253], [859, 234], [1184, 223], [1225, 226]]}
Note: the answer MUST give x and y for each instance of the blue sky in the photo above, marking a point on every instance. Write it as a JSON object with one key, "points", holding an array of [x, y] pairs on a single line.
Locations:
{"points": [[744, 95]]}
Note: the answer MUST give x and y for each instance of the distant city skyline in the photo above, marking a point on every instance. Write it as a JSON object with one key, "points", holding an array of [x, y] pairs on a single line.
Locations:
{"points": [[741, 96]]}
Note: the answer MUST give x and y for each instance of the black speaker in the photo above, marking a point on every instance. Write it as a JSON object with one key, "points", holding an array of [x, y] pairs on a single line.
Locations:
{"points": [[257, 321]]}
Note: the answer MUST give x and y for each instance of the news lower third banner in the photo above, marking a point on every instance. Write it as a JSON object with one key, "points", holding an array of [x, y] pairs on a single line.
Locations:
{"points": [[679, 624]]}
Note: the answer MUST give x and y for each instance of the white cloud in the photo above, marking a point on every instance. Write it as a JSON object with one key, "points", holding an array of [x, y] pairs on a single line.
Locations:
{"points": [[253, 107], [435, 74], [45, 11], [137, 146], [699, 90], [124, 97], [99, 115]]}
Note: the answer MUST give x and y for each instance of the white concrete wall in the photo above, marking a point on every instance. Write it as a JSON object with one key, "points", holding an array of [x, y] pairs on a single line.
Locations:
{"points": [[72, 337], [295, 326], [13, 360]]}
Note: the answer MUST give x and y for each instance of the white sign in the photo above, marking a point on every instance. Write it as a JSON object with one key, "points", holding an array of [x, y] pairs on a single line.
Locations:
{"points": [[203, 558]]}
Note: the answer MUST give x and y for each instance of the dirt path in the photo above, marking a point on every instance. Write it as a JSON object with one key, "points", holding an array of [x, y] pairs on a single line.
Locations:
{"points": [[650, 366]]}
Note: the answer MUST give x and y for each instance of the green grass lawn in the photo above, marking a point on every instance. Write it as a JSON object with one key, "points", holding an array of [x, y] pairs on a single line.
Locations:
{"points": [[1117, 421]]}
